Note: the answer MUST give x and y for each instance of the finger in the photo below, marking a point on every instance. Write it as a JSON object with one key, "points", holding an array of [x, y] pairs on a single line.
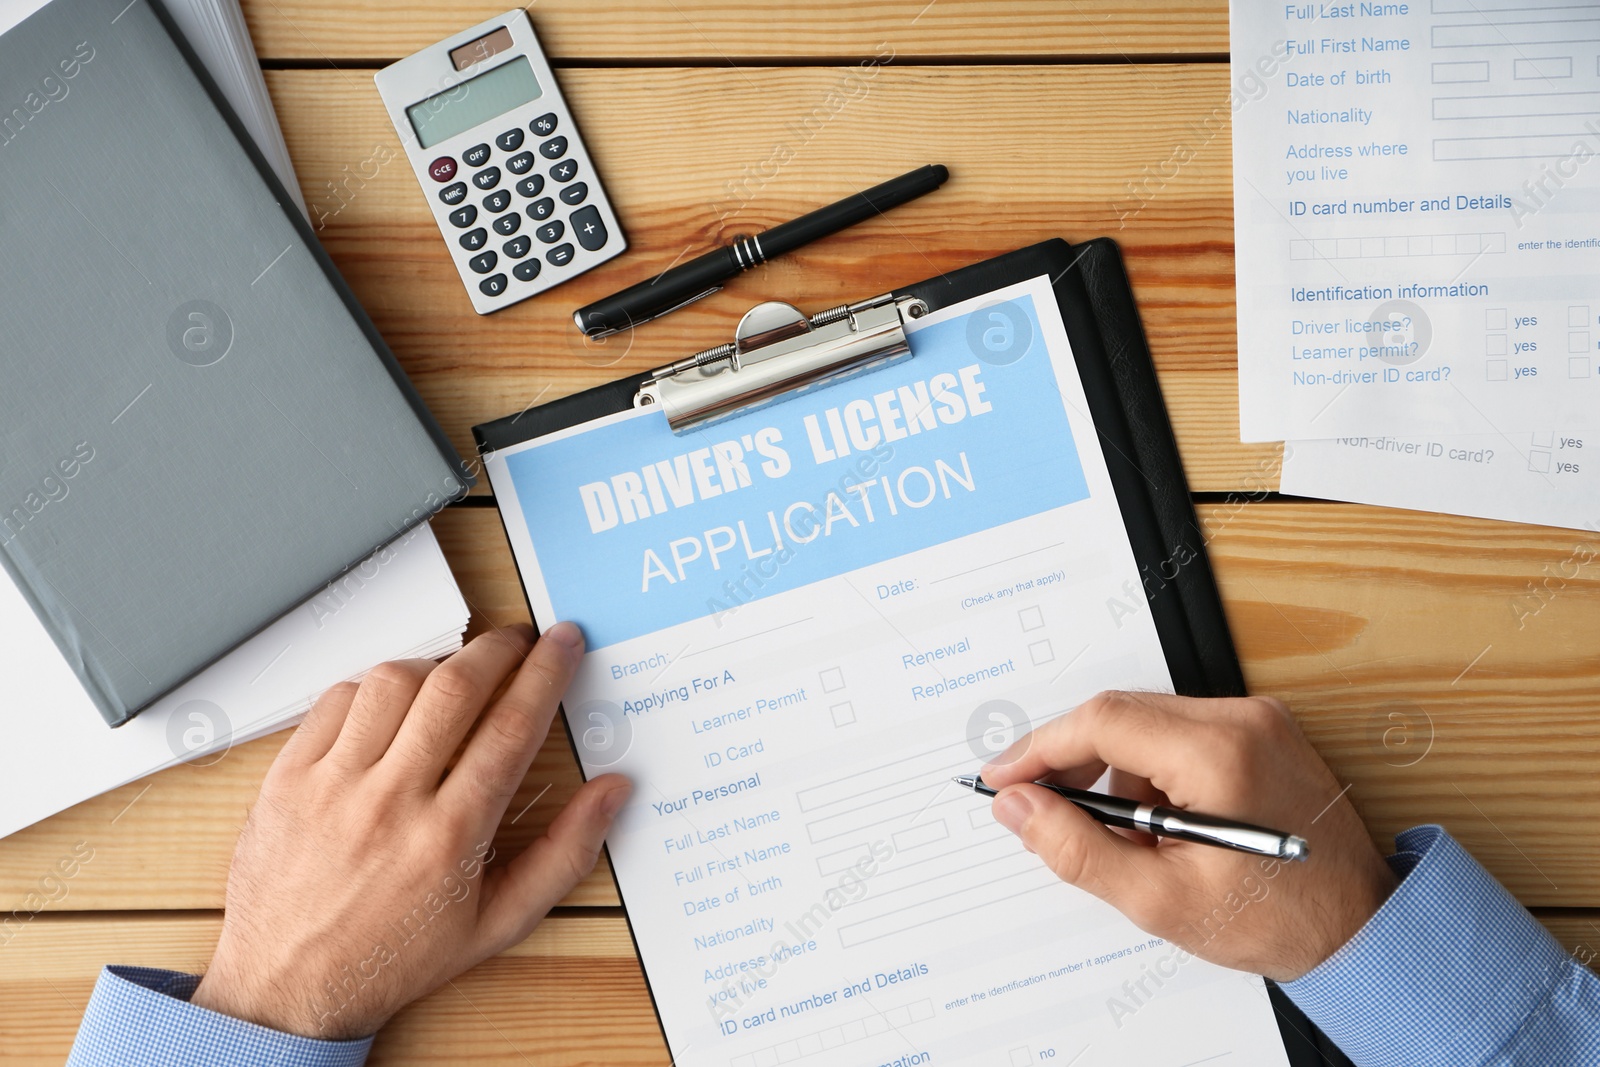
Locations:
{"points": [[316, 734], [1080, 850], [1145, 733], [1133, 787], [489, 771], [381, 700], [549, 868], [451, 701]]}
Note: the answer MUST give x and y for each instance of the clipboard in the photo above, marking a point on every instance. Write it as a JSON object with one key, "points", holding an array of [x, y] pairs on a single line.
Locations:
{"points": [[1113, 360]]}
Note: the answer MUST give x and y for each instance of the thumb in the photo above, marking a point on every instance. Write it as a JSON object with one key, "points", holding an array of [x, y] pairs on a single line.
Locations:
{"points": [[1080, 850], [548, 869]]}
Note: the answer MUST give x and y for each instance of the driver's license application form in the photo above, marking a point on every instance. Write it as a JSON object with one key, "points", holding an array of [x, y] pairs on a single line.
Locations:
{"points": [[801, 622]]}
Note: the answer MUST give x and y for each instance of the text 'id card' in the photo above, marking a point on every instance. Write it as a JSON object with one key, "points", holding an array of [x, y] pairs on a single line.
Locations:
{"points": [[802, 621]]}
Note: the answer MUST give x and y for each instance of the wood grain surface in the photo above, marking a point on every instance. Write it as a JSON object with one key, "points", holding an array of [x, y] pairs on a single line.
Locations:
{"points": [[718, 31], [1105, 162]]}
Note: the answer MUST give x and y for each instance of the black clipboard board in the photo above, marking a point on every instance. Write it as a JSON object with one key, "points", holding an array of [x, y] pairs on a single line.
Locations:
{"points": [[1119, 381]]}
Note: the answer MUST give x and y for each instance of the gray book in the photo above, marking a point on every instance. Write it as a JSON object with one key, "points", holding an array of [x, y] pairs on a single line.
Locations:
{"points": [[199, 427]]}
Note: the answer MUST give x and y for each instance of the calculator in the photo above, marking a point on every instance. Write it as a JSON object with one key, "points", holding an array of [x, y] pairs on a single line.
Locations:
{"points": [[499, 159]]}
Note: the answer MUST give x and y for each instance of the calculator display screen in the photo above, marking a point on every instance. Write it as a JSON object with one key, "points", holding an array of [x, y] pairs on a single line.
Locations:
{"points": [[474, 101]]}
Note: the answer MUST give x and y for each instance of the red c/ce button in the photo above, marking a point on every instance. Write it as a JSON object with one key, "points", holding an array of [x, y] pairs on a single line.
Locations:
{"points": [[442, 169]]}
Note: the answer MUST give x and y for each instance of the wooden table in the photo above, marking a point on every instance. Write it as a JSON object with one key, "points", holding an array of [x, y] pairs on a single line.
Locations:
{"points": [[1448, 668]]}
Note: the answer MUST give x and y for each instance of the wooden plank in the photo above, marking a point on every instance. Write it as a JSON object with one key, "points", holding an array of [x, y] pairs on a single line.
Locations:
{"points": [[713, 31], [1095, 168], [571, 994], [1382, 629]]}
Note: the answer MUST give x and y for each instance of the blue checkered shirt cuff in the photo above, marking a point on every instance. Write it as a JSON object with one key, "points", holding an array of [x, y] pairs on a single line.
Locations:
{"points": [[1453, 971], [142, 1016]]}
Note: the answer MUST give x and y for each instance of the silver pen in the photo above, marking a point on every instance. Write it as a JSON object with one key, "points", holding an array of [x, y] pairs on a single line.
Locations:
{"points": [[1169, 822]]}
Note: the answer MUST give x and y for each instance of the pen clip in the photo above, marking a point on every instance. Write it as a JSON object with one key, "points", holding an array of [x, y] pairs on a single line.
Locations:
{"points": [[598, 334]]}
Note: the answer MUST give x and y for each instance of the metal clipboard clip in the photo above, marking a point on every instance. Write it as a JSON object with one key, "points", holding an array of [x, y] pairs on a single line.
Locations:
{"points": [[778, 352]]}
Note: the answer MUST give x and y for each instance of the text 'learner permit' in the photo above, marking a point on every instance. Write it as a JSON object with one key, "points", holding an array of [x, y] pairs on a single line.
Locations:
{"points": [[802, 621]]}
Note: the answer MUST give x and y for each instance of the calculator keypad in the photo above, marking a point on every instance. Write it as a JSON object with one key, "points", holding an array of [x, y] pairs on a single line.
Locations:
{"points": [[556, 226]]}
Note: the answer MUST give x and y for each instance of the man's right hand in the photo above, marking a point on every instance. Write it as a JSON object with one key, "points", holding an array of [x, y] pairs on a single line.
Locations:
{"points": [[1243, 759]]}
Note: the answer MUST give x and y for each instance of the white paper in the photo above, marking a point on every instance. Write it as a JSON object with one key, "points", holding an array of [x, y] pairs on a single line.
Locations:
{"points": [[1550, 478], [862, 599], [58, 751], [1416, 216]]}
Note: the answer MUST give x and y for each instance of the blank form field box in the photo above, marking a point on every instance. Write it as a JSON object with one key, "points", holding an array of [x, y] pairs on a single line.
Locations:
{"points": [[843, 714], [1578, 317], [1460, 73], [1578, 367], [1041, 652], [1031, 618], [1494, 319], [1539, 69], [1494, 344], [1544, 439], [832, 680], [1578, 341], [1539, 462], [1021, 1057], [1495, 370], [917, 836]]}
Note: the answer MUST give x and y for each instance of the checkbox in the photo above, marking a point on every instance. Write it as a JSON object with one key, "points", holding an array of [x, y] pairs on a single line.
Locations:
{"points": [[1544, 439], [1578, 367], [1539, 462], [1494, 319], [832, 680], [1494, 344], [1031, 618], [1578, 341], [1578, 316], [1021, 1057], [1041, 652], [1495, 370], [843, 714]]}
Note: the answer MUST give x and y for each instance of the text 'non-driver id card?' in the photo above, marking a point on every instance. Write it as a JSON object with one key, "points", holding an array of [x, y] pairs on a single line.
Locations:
{"points": [[802, 621]]}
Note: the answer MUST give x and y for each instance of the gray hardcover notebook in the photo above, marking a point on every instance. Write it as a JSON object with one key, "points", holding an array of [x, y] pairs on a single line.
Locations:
{"points": [[199, 427]]}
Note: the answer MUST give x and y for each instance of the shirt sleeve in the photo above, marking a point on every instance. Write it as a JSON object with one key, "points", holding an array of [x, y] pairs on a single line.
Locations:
{"points": [[139, 1015], [1453, 971]]}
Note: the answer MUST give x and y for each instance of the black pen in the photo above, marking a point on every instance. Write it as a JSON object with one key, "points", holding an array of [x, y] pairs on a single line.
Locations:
{"points": [[704, 275], [1169, 822]]}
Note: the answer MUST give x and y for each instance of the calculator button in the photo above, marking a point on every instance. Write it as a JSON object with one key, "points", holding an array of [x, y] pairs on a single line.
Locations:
{"points": [[551, 232], [509, 141], [544, 125], [483, 262], [506, 225], [554, 148], [517, 247], [493, 286], [574, 193], [521, 163], [453, 194], [526, 271], [442, 169], [477, 155], [473, 240], [587, 227], [564, 171], [497, 201], [541, 209], [463, 216], [487, 178], [531, 185], [560, 255]]}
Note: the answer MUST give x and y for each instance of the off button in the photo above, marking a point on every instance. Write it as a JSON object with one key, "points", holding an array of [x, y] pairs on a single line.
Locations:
{"points": [[442, 169]]}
